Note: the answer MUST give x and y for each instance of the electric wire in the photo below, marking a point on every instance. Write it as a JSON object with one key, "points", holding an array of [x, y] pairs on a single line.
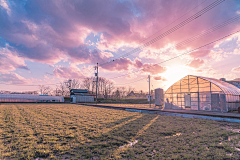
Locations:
{"points": [[183, 23], [164, 27], [170, 23], [131, 82], [204, 33], [168, 32], [188, 20], [178, 55]]}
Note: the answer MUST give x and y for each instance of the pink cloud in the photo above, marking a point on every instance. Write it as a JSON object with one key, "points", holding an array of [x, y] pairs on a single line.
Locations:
{"points": [[210, 72], [196, 63], [68, 72], [200, 53], [153, 68], [137, 63], [13, 78], [50, 32], [68, 23], [160, 78], [83, 54], [121, 64], [236, 69], [10, 61], [124, 64]]}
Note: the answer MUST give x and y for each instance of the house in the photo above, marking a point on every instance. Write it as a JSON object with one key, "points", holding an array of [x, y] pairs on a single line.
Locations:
{"points": [[81, 95]]}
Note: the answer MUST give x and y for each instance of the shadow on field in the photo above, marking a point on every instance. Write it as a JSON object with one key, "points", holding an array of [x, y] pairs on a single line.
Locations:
{"points": [[104, 145]]}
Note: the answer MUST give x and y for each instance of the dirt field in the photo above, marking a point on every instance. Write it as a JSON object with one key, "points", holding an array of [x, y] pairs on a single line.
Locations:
{"points": [[68, 131]]}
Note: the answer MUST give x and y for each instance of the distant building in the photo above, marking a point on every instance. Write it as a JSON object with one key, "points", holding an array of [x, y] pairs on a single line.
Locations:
{"points": [[131, 94], [81, 95], [135, 95]]}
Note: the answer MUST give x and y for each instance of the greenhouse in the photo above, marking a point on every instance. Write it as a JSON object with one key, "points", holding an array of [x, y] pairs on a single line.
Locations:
{"points": [[201, 93], [29, 98]]}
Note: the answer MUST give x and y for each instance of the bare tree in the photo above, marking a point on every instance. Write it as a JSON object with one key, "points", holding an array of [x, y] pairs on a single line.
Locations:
{"points": [[122, 91], [108, 89], [62, 89], [117, 93], [101, 85], [86, 83], [105, 87], [75, 84], [130, 89], [44, 90], [93, 86]]}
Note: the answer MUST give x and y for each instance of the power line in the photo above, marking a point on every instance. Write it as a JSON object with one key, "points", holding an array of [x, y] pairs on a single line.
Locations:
{"points": [[145, 67], [180, 25], [130, 82], [179, 55], [162, 28], [190, 19], [205, 32], [168, 24], [210, 30]]}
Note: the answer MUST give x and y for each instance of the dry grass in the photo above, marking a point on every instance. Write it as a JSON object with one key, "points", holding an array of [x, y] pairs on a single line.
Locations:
{"points": [[129, 105], [29, 131]]}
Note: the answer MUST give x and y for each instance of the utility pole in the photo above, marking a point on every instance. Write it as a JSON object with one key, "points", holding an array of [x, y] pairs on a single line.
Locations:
{"points": [[96, 75], [69, 86], [149, 92]]}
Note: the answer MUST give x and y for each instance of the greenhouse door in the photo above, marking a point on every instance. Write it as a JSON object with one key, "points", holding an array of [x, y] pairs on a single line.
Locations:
{"points": [[187, 101], [215, 99]]}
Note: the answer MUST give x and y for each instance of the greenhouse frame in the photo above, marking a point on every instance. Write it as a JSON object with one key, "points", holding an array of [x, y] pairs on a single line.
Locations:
{"points": [[29, 98], [202, 93]]}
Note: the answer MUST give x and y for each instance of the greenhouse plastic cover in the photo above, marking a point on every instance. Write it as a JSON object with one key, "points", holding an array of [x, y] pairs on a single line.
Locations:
{"points": [[226, 87], [31, 97]]}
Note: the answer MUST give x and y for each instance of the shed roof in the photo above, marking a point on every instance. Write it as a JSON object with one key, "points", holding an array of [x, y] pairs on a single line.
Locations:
{"points": [[79, 91]]}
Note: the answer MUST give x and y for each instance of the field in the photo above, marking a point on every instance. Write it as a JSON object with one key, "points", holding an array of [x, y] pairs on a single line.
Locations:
{"points": [[126, 101], [130, 105], [68, 131]]}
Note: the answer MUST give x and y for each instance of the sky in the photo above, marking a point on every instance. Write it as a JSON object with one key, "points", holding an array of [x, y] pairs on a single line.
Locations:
{"points": [[45, 42]]}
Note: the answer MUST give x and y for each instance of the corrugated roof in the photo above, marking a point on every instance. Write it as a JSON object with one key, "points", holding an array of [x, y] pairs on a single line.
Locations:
{"points": [[79, 91]]}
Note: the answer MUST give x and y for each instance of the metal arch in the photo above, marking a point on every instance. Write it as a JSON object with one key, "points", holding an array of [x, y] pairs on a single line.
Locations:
{"points": [[176, 82], [227, 88]]}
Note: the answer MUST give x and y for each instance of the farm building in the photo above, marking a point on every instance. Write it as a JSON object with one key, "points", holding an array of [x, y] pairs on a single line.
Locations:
{"points": [[29, 98], [202, 93], [81, 95]]}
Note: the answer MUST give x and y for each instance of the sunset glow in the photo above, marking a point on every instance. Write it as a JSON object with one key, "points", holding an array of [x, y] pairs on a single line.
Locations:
{"points": [[49, 42]]}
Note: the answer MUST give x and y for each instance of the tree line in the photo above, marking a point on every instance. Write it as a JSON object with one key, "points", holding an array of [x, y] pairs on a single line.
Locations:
{"points": [[106, 88]]}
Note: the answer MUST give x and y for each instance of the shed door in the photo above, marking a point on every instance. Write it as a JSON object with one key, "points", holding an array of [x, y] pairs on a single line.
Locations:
{"points": [[187, 100]]}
